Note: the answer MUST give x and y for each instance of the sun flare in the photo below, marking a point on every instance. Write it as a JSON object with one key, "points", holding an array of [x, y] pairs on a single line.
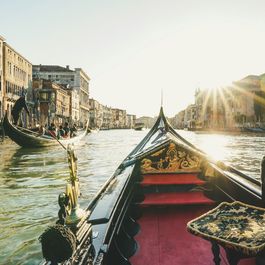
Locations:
{"points": [[215, 146]]}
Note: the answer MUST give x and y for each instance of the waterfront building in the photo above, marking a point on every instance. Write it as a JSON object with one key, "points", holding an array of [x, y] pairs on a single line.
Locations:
{"points": [[105, 117], [249, 100], [147, 121], [82, 83], [179, 120], [232, 107], [119, 118], [200, 109], [212, 109], [53, 102], [62, 105], [95, 113], [130, 121], [208, 109], [107, 122], [74, 104], [1, 77], [73, 79], [225, 109], [16, 78], [190, 116]]}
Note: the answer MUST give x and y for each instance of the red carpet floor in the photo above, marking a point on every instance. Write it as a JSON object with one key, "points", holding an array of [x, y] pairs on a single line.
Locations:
{"points": [[164, 240]]}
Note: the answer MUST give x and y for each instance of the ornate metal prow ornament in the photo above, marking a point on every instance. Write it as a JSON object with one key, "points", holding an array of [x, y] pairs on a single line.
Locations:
{"points": [[69, 212], [71, 232]]}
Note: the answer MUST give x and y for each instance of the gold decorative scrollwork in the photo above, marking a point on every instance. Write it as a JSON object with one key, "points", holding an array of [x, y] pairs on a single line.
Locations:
{"points": [[169, 160]]}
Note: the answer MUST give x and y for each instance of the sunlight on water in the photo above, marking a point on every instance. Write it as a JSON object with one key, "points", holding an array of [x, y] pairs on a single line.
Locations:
{"points": [[215, 146], [242, 151]]}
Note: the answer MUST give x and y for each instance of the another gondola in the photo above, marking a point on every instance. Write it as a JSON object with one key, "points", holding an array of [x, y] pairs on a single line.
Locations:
{"points": [[30, 139], [140, 215], [139, 126]]}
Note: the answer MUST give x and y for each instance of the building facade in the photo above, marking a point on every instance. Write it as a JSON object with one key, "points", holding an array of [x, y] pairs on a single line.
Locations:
{"points": [[62, 105], [96, 114], [82, 84], [119, 118], [179, 120], [74, 106], [76, 80], [248, 100], [130, 121], [53, 102], [147, 121], [1, 77], [190, 116], [16, 78], [234, 107], [107, 122]]}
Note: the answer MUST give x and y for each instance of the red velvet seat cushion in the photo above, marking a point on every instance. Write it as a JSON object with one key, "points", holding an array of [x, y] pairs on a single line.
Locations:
{"points": [[166, 179]]}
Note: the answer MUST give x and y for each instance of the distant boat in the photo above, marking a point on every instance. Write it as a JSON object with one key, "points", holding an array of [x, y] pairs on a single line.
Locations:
{"points": [[139, 126], [253, 129], [93, 130], [104, 128], [27, 138]]}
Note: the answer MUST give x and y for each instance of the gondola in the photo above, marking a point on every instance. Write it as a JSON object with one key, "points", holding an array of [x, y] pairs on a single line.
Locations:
{"points": [[139, 126], [30, 139], [147, 211], [253, 129]]}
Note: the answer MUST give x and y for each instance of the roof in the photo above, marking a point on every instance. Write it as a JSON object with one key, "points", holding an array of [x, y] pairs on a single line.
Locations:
{"points": [[51, 68], [13, 50]]}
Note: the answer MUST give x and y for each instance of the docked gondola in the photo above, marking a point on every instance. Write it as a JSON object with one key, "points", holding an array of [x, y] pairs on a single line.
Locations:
{"points": [[31, 139], [167, 203]]}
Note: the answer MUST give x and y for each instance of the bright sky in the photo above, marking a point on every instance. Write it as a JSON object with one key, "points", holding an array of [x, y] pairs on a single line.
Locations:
{"points": [[133, 49]]}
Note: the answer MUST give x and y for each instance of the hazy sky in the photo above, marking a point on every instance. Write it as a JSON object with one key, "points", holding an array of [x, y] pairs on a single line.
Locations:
{"points": [[133, 49]]}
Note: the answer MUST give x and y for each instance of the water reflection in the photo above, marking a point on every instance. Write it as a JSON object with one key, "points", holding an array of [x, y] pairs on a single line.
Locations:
{"points": [[30, 180], [243, 151]]}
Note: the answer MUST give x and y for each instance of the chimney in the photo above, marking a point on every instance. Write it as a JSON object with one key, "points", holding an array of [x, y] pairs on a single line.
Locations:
{"points": [[67, 67]]}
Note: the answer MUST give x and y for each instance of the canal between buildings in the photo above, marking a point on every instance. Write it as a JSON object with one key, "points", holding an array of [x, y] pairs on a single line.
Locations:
{"points": [[30, 180]]}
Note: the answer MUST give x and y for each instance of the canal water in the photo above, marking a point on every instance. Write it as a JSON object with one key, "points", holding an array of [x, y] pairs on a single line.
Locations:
{"points": [[31, 179]]}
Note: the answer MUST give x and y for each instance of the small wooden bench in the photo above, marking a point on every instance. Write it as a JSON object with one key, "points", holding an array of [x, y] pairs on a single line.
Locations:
{"points": [[237, 227]]}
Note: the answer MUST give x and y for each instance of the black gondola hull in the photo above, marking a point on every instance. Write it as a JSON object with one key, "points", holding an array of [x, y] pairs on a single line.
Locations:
{"points": [[28, 139]]}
